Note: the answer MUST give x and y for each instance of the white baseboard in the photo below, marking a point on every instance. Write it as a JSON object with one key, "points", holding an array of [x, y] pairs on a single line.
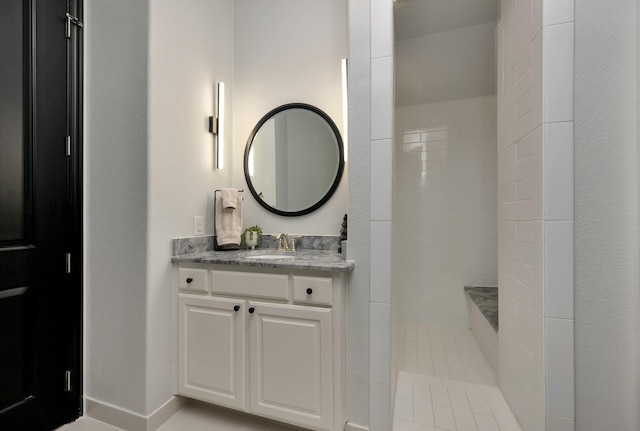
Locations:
{"points": [[350, 426], [131, 421], [164, 412]]}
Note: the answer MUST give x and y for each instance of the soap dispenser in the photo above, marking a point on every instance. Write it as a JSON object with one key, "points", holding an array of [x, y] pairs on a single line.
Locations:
{"points": [[343, 237]]}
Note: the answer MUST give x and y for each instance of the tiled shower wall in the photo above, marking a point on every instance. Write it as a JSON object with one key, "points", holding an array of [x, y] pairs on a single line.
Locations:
{"points": [[370, 178], [535, 159], [445, 199], [380, 213]]}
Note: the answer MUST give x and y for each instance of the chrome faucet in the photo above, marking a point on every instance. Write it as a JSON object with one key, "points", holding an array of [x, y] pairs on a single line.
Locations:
{"points": [[282, 242]]}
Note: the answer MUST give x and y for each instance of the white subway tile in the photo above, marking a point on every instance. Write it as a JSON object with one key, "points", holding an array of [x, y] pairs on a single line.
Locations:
{"points": [[558, 267], [524, 64], [558, 73], [380, 269], [500, 55], [444, 418], [380, 343], [558, 171], [479, 403], [381, 28], [448, 210], [557, 423], [402, 425], [525, 231], [382, 98], [507, 156], [560, 367], [381, 179], [462, 410], [440, 396], [558, 11], [521, 163], [536, 16], [486, 423], [403, 409], [380, 407], [422, 411], [410, 138]]}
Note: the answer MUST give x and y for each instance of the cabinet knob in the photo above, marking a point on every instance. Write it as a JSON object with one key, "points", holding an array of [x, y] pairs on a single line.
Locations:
{"points": [[251, 310], [309, 291], [189, 280], [236, 308]]}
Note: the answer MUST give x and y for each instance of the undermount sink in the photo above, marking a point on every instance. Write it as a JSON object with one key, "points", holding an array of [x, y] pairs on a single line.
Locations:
{"points": [[270, 256]]}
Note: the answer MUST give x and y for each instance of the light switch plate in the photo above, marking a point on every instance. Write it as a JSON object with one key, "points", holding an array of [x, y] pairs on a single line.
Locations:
{"points": [[198, 225]]}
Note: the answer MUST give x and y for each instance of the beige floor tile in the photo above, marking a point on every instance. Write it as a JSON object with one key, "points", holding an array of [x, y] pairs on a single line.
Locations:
{"points": [[197, 416], [88, 424]]}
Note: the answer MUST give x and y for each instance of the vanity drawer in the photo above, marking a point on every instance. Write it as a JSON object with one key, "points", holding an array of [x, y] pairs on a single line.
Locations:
{"points": [[316, 290], [260, 285], [193, 279]]}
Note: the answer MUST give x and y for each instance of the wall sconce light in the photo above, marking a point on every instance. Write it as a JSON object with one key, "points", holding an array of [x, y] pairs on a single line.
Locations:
{"points": [[345, 106], [216, 126]]}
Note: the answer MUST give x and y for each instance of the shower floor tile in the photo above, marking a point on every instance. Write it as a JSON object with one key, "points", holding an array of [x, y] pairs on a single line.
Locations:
{"points": [[446, 352], [426, 403]]}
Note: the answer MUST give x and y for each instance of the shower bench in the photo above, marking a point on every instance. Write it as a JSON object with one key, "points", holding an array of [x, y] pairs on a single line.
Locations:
{"points": [[483, 319]]}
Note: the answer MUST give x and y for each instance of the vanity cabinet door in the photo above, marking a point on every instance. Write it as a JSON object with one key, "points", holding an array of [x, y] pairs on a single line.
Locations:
{"points": [[211, 349], [291, 363]]}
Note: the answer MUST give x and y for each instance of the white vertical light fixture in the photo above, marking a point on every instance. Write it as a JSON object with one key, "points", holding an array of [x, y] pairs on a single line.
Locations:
{"points": [[220, 140], [216, 126], [345, 107]]}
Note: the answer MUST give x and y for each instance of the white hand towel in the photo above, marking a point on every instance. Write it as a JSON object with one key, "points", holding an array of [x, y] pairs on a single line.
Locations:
{"points": [[228, 223], [229, 199]]}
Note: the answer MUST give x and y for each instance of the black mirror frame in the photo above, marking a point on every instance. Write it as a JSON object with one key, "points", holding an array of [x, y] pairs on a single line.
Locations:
{"points": [[336, 181]]}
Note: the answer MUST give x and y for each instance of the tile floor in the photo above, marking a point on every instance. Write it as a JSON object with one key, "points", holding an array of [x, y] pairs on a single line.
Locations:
{"points": [[195, 416], [446, 352], [425, 403], [445, 383], [88, 424]]}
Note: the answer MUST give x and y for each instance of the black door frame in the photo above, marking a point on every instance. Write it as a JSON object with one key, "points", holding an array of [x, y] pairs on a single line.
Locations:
{"points": [[75, 82], [50, 314]]}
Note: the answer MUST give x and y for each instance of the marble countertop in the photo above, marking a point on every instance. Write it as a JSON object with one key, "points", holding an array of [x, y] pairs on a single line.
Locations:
{"points": [[486, 299], [316, 260]]}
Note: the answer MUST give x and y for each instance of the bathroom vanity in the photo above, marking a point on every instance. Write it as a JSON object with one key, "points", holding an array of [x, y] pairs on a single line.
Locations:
{"points": [[264, 333]]}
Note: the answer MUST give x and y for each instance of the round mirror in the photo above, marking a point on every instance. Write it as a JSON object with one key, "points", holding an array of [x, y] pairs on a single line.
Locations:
{"points": [[294, 159]]}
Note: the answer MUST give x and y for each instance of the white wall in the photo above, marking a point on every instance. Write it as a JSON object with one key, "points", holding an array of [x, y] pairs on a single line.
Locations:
{"points": [[287, 51], [606, 237], [535, 178], [115, 202], [190, 49], [445, 198], [459, 64], [148, 171]]}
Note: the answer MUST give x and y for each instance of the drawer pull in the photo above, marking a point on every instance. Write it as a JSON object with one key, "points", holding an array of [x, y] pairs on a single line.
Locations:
{"points": [[189, 280], [236, 308], [251, 310], [309, 291]]}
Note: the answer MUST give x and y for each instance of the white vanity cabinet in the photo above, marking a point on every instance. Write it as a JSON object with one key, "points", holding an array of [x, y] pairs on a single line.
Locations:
{"points": [[291, 363], [268, 341], [211, 349]]}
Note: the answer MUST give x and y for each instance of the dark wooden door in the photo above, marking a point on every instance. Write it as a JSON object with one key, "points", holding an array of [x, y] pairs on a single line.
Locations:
{"points": [[40, 215]]}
